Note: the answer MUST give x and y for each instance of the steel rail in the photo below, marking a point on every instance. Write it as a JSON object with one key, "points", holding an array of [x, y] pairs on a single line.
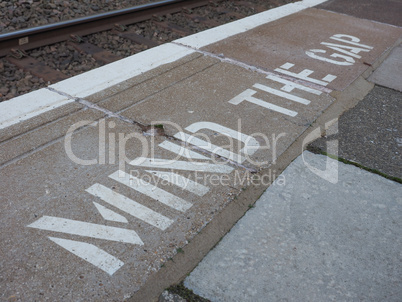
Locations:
{"points": [[48, 34]]}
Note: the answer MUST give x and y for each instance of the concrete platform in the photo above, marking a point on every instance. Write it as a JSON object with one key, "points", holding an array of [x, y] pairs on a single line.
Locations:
{"points": [[310, 240], [107, 177], [230, 96], [72, 220], [313, 39]]}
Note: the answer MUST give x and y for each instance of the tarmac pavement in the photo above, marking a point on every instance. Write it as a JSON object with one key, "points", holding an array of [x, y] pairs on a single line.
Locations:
{"points": [[370, 133]]}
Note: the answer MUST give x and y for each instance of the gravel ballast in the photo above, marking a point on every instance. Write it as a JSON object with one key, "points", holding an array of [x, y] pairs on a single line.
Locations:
{"points": [[64, 57], [19, 14]]}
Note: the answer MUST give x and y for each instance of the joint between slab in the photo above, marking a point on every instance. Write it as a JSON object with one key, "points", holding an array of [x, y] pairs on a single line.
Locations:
{"points": [[163, 89], [243, 65], [90, 105]]}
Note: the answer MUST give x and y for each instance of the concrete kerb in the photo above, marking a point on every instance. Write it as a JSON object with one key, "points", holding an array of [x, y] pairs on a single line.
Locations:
{"points": [[381, 59]]}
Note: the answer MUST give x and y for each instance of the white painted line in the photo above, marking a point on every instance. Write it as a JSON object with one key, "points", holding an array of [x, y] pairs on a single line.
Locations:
{"points": [[310, 3], [251, 144], [329, 78], [81, 228], [282, 94], [289, 86], [29, 105], [91, 253], [109, 214], [219, 33], [130, 206], [182, 182], [180, 165], [150, 190], [350, 40], [287, 65], [304, 75], [247, 95], [114, 73], [193, 140], [181, 151]]}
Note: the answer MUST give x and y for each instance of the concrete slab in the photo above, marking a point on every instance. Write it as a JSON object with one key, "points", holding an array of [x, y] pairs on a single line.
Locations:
{"points": [[389, 74], [44, 135], [311, 240], [269, 110], [39, 120], [139, 88], [384, 11], [103, 94], [370, 133], [72, 229], [314, 39], [28, 106]]}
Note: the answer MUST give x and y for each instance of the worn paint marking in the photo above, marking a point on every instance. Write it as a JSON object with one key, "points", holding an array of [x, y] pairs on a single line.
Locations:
{"points": [[180, 165], [91, 254], [110, 215], [86, 229], [152, 191], [130, 206], [182, 182]]}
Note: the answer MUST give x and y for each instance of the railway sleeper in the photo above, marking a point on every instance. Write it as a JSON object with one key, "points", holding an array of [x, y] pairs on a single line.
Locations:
{"points": [[136, 38], [255, 7], [201, 19], [99, 54], [38, 68], [173, 27], [229, 13]]}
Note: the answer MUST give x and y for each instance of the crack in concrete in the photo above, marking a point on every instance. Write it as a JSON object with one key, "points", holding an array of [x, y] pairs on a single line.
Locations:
{"points": [[149, 130]]}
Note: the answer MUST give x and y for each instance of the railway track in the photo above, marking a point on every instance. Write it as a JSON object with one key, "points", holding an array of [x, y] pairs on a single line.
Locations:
{"points": [[36, 57]]}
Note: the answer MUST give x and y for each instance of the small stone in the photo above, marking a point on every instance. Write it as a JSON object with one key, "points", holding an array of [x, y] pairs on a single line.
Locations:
{"points": [[4, 90], [10, 96], [35, 54], [34, 80]]}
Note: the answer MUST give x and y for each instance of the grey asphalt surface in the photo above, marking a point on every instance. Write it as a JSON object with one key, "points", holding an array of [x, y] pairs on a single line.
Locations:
{"points": [[370, 133]]}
